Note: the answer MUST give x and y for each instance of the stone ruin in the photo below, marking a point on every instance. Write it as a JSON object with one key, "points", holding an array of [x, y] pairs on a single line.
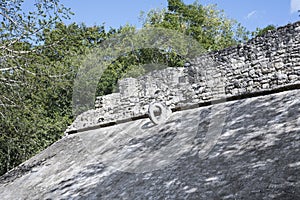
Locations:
{"points": [[248, 95], [267, 63]]}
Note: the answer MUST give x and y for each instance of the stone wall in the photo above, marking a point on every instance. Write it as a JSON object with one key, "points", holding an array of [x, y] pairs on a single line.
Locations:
{"points": [[264, 63]]}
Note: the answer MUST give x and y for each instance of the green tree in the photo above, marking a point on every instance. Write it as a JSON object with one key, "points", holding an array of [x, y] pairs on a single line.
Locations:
{"points": [[43, 109], [262, 31], [21, 36], [208, 25], [24, 123]]}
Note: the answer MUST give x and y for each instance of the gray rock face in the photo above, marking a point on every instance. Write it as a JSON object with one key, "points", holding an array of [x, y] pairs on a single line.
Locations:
{"points": [[256, 156]]}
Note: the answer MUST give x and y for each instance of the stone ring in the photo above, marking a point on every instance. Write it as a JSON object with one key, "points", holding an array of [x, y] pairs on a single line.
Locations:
{"points": [[158, 113]]}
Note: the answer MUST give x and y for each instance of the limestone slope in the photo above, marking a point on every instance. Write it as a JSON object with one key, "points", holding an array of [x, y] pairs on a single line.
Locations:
{"points": [[255, 156]]}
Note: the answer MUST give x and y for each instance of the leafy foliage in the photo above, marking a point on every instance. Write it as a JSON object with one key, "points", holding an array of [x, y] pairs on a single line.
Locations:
{"points": [[206, 24], [38, 64], [23, 82], [261, 32]]}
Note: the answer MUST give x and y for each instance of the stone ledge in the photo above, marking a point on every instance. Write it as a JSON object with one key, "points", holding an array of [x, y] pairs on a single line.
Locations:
{"points": [[188, 106]]}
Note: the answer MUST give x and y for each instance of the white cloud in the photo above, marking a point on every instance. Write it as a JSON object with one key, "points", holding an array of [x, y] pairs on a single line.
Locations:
{"points": [[295, 5], [251, 14]]}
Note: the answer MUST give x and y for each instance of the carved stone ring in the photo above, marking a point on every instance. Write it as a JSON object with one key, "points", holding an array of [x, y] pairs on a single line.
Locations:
{"points": [[159, 113]]}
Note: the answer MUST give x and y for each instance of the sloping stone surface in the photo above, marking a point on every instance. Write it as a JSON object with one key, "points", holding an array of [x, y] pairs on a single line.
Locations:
{"points": [[256, 156]]}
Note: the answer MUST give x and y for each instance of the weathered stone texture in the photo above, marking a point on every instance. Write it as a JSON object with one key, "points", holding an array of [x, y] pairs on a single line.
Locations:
{"points": [[263, 63], [256, 156]]}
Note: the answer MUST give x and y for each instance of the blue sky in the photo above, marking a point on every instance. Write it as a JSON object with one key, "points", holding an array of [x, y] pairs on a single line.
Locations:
{"points": [[251, 13]]}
